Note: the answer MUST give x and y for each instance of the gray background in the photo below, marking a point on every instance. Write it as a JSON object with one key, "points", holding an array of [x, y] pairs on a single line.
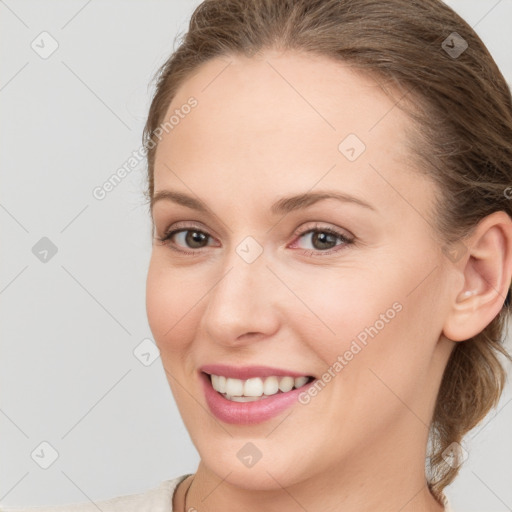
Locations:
{"points": [[70, 325]]}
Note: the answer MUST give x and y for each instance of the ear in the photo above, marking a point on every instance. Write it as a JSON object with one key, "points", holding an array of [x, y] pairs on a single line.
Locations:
{"points": [[486, 266]]}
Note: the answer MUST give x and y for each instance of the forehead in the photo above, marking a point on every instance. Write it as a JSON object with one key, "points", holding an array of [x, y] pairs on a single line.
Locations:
{"points": [[283, 120]]}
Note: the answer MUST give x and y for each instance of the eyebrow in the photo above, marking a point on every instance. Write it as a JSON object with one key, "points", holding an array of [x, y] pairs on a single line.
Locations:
{"points": [[281, 206]]}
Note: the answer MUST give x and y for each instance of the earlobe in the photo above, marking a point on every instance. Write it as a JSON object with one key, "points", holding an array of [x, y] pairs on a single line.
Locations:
{"points": [[462, 323], [487, 272]]}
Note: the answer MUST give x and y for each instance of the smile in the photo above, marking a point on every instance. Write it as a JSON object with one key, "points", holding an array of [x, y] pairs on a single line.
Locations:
{"points": [[256, 388], [248, 395]]}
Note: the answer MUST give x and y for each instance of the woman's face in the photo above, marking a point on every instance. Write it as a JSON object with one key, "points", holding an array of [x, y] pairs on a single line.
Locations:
{"points": [[355, 288]]}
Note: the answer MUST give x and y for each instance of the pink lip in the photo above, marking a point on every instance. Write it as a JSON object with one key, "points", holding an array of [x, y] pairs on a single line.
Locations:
{"points": [[246, 413], [247, 372]]}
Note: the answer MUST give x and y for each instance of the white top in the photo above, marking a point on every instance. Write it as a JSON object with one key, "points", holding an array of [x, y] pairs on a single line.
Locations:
{"points": [[157, 499]]}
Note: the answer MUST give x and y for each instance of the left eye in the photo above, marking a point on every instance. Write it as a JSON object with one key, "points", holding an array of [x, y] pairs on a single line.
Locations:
{"points": [[324, 239]]}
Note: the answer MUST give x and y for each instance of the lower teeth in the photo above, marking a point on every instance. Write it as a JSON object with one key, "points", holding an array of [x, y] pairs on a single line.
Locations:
{"points": [[245, 398]]}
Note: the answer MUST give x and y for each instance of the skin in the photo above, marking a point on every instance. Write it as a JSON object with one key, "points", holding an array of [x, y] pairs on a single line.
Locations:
{"points": [[261, 132]]}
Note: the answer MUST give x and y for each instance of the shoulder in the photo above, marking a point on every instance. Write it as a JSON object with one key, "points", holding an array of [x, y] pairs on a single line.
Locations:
{"points": [[156, 499]]}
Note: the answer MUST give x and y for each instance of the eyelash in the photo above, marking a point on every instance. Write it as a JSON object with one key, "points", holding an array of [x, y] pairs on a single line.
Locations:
{"points": [[317, 228], [345, 241]]}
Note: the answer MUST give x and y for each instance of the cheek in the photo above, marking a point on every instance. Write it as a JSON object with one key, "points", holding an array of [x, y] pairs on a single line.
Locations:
{"points": [[344, 305], [370, 316], [169, 305]]}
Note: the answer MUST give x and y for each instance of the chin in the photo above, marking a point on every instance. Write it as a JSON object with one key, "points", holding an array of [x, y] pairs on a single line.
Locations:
{"points": [[267, 473]]}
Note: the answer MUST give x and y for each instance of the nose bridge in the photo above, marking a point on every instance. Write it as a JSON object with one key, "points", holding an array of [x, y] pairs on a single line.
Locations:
{"points": [[240, 300]]}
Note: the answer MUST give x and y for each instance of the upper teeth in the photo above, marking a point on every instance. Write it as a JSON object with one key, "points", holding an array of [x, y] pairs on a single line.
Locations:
{"points": [[256, 387]]}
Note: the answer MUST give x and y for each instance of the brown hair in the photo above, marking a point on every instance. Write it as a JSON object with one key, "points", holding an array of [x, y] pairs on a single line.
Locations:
{"points": [[462, 137]]}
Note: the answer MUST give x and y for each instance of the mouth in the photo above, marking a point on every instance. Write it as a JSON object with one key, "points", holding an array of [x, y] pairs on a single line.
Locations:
{"points": [[255, 388], [251, 395]]}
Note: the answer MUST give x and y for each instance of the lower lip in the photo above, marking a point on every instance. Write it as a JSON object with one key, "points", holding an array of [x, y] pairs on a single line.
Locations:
{"points": [[247, 413]]}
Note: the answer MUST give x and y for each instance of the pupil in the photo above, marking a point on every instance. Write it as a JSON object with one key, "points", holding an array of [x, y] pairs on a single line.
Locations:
{"points": [[195, 236], [321, 237]]}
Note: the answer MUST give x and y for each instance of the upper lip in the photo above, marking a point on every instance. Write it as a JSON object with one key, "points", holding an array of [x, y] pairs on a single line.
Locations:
{"points": [[248, 372]]}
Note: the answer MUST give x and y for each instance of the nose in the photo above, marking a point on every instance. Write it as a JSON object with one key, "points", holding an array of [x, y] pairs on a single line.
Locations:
{"points": [[244, 304]]}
